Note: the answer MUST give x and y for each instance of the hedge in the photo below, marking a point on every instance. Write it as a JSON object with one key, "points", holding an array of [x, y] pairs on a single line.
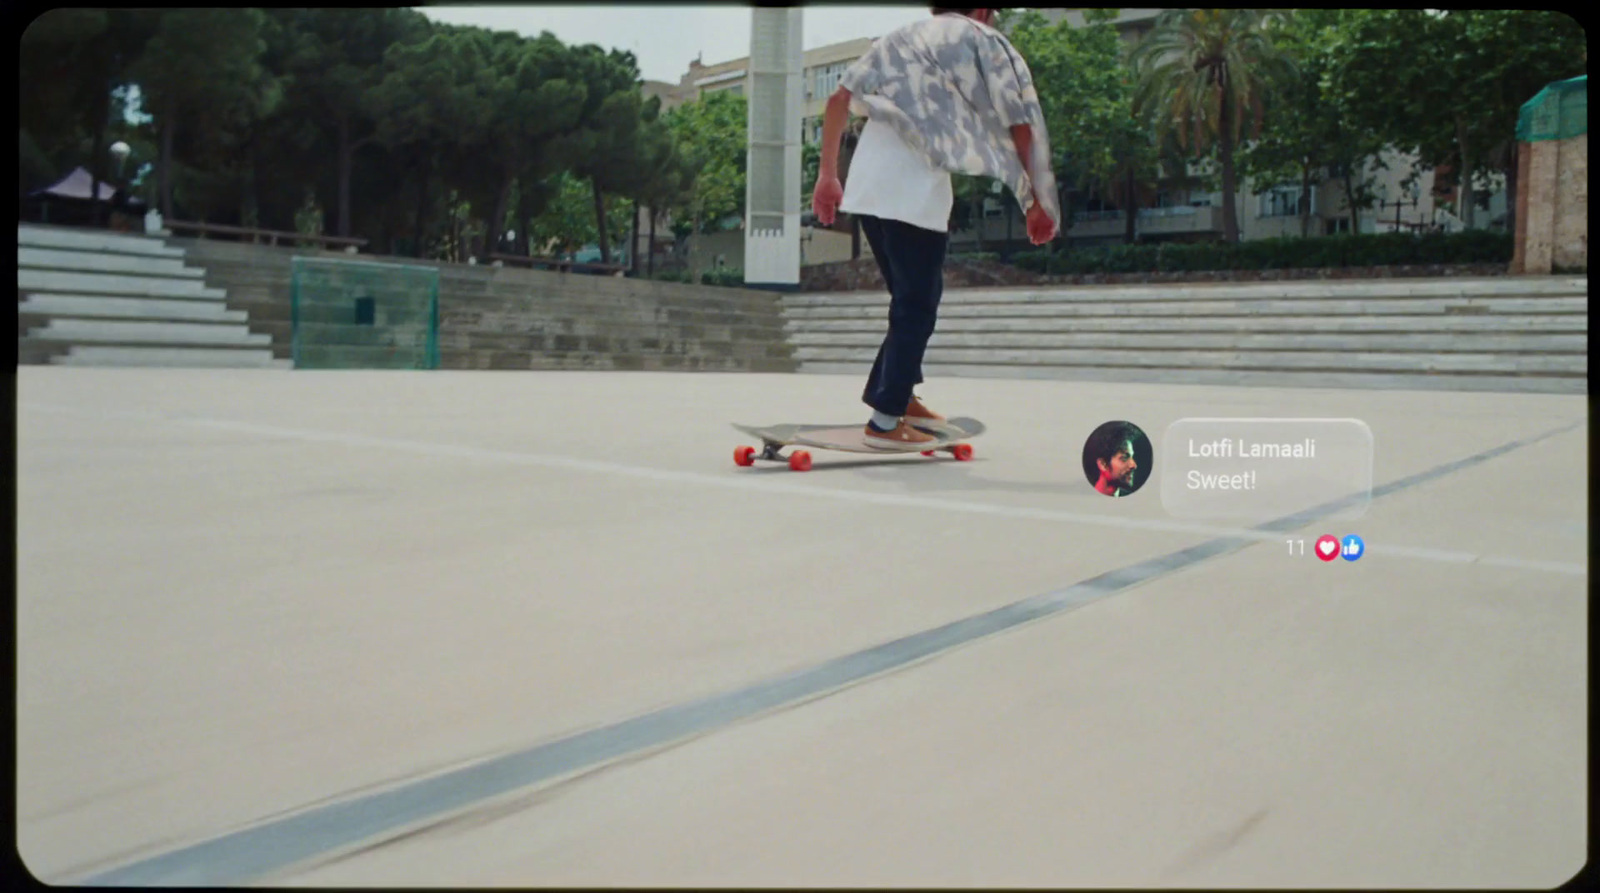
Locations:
{"points": [[1375, 250], [730, 277], [672, 276]]}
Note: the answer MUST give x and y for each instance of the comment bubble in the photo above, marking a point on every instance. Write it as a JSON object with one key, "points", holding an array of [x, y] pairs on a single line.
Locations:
{"points": [[1254, 470]]}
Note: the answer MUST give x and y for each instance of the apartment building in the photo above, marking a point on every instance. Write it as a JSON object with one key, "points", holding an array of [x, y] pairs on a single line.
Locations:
{"points": [[824, 66], [671, 95]]}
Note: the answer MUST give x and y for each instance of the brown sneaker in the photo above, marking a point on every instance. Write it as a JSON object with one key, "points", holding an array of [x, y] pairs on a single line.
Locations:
{"points": [[915, 410], [902, 437]]}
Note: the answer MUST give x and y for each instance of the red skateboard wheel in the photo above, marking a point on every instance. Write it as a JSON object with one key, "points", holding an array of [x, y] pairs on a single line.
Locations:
{"points": [[800, 460], [962, 451], [744, 456]]}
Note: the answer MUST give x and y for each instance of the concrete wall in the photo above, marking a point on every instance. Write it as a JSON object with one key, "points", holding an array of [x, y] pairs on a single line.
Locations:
{"points": [[1553, 206], [826, 246], [817, 246], [514, 318], [708, 251]]}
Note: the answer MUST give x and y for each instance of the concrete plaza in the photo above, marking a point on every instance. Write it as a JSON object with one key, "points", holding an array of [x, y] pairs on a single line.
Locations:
{"points": [[255, 606]]}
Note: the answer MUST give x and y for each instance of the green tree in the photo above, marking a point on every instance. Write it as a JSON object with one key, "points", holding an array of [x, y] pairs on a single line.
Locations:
{"points": [[567, 222], [1307, 138], [422, 112], [336, 65], [1203, 73], [1086, 95], [533, 103], [491, 107], [73, 62], [810, 166], [711, 133], [202, 71], [655, 173], [1446, 85], [668, 179], [605, 148]]}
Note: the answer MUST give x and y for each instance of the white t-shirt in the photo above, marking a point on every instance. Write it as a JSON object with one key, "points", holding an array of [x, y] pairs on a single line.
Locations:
{"points": [[889, 179]]}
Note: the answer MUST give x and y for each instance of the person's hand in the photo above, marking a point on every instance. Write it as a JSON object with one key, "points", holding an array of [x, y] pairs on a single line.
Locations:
{"points": [[1041, 228], [825, 199]]}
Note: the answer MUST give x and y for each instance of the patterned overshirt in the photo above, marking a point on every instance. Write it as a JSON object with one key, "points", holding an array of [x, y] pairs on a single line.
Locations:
{"points": [[953, 88]]}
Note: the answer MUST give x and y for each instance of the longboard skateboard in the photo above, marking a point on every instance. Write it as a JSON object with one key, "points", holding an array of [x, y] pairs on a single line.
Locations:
{"points": [[951, 434]]}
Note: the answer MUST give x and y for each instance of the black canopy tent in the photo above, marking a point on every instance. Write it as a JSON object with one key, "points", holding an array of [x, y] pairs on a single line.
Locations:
{"points": [[72, 199]]}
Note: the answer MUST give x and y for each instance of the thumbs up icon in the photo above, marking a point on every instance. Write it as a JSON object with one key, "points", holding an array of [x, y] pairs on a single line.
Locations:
{"points": [[1353, 547]]}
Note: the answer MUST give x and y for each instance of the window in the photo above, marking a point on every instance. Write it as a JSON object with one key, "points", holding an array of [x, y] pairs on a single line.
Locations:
{"points": [[824, 79], [1338, 225], [1284, 201], [811, 130]]}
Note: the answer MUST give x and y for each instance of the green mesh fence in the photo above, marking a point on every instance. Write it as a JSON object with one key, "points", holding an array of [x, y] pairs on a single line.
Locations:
{"points": [[1560, 111], [363, 315]]}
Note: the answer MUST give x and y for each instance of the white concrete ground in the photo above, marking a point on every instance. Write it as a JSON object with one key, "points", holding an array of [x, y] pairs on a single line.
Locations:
{"points": [[242, 593]]}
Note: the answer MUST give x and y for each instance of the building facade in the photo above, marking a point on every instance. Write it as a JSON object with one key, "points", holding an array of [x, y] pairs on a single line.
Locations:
{"points": [[824, 66], [1264, 210]]}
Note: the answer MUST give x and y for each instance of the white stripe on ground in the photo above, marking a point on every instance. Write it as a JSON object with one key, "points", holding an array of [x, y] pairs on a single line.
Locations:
{"points": [[761, 484]]}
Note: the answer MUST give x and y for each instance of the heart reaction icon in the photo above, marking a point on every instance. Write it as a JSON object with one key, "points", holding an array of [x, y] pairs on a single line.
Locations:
{"points": [[1327, 547]]}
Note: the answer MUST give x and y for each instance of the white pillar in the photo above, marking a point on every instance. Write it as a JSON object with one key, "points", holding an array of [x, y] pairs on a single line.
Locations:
{"points": [[772, 182]]}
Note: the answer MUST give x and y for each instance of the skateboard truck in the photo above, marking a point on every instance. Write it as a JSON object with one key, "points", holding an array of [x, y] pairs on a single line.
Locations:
{"points": [[799, 460]]}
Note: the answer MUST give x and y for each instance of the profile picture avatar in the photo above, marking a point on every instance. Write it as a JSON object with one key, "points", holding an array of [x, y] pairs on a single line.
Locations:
{"points": [[1117, 458]]}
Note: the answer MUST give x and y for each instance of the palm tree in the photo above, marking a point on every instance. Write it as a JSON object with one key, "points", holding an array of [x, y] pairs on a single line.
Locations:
{"points": [[1201, 73]]}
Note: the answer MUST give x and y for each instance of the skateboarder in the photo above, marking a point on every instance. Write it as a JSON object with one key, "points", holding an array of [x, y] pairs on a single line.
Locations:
{"points": [[944, 94]]}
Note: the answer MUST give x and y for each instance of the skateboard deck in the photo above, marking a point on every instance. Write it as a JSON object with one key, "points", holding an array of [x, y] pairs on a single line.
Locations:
{"points": [[852, 439]]}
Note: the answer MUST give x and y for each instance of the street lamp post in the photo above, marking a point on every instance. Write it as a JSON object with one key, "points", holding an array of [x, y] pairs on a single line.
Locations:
{"points": [[121, 150]]}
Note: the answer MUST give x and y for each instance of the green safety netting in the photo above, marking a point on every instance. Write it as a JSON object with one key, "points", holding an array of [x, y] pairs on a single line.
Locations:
{"points": [[364, 315], [1560, 111]]}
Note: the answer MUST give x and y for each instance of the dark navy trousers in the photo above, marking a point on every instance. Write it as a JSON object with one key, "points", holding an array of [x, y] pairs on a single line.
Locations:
{"points": [[912, 261]]}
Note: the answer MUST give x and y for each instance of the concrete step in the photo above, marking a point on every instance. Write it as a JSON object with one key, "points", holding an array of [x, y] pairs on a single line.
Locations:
{"points": [[526, 304], [177, 357], [170, 333], [1386, 289], [150, 309], [525, 336], [659, 341], [1394, 325], [39, 353], [93, 240], [457, 311], [640, 362], [1263, 360], [1156, 341], [1235, 377], [1232, 308], [97, 262], [109, 284], [365, 356], [515, 295]]}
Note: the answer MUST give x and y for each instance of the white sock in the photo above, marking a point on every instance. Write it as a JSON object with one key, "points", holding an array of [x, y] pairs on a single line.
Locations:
{"points": [[884, 422]]}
